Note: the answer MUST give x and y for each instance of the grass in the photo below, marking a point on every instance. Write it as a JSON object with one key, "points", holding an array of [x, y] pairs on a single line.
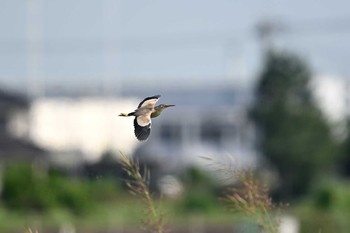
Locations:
{"points": [[29, 230], [127, 213], [250, 199], [247, 201], [139, 186]]}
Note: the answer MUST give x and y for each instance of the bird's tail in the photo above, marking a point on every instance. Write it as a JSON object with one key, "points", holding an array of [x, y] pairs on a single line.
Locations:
{"points": [[126, 114]]}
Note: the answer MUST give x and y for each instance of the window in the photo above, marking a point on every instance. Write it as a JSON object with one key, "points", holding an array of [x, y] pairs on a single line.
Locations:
{"points": [[170, 132], [211, 132]]}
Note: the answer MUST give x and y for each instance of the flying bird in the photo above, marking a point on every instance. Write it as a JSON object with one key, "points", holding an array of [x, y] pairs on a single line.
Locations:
{"points": [[143, 114]]}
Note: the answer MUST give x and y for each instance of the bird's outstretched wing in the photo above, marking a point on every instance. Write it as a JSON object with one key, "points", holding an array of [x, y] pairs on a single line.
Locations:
{"points": [[142, 127], [149, 101], [142, 121]]}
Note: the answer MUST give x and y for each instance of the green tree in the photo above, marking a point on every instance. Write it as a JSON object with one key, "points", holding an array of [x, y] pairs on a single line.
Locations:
{"points": [[344, 165], [294, 136], [29, 188]]}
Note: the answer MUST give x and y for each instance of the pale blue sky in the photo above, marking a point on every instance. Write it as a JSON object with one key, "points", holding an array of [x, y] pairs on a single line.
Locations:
{"points": [[87, 42]]}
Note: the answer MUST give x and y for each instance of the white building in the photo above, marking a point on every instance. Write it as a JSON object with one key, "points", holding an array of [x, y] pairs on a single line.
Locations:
{"points": [[88, 125], [332, 95], [185, 136], [208, 122]]}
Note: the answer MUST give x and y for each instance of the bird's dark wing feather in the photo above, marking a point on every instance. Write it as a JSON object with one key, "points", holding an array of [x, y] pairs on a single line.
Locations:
{"points": [[149, 100], [141, 132]]}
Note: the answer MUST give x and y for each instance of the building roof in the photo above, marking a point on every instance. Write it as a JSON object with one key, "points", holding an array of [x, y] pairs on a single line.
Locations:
{"points": [[9, 101], [12, 149]]}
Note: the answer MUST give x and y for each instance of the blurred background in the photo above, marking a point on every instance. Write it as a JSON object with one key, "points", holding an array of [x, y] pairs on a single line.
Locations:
{"points": [[258, 85]]}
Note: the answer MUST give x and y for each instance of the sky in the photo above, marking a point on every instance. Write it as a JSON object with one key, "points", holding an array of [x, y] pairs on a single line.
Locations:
{"points": [[120, 43]]}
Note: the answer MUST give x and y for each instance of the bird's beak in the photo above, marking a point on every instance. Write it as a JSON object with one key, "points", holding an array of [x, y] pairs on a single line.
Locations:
{"points": [[169, 105]]}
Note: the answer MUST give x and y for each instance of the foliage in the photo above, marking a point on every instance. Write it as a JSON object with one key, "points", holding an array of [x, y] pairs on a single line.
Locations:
{"points": [[295, 137], [138, 185], [332, 195], [252, 198], [200, 199], [24, 188], [199, 193], [344, 165], [198, 202], [70, 194], [33, 188], [327, 209], [248, 196], [323, 222]]}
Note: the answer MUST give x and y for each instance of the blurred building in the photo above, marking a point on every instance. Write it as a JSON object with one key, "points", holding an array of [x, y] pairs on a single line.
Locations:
{"points": [[184, 137], [12, 148], [78, 129], [332, 95], [206, 122]]}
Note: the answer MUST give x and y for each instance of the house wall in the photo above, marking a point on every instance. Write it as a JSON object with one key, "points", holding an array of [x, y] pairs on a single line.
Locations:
{"points": [[184, 135], [89, 125]]}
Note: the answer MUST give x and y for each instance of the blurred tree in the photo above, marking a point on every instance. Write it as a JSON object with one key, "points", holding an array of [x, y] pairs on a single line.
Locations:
{"points": [[295, 137], [27, 187], [23, 189], [200, 195], [345, 158]]}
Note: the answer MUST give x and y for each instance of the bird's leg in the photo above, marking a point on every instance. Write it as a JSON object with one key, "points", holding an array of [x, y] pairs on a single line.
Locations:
{"points": [[127, 114]]}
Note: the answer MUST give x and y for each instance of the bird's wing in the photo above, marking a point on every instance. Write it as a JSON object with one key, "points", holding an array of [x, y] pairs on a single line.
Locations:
{"points": [[149, 101], [142, 127]]}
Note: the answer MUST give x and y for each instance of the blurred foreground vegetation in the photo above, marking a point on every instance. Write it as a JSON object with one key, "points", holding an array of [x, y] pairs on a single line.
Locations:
{"points": [[52, 200], [44, 199]]}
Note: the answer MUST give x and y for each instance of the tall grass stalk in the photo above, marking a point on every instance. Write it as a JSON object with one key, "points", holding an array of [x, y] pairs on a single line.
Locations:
{"points": [[138, 185], [250, 197], [29, 230]]}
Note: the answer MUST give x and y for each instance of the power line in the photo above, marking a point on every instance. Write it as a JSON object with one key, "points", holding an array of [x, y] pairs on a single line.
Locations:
{"points": [[177, 41]]}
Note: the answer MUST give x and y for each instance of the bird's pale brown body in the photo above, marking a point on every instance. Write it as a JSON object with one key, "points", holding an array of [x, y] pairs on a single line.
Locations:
{"points": [[143, 114]]}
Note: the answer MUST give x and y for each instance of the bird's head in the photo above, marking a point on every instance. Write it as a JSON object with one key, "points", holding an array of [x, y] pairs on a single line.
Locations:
{"points": [[164, 106], [160, 108]]}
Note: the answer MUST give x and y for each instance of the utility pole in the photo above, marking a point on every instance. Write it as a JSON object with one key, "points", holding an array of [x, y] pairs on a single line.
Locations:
{"points": [[266, 30], [112, 84], [35, 62]]}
